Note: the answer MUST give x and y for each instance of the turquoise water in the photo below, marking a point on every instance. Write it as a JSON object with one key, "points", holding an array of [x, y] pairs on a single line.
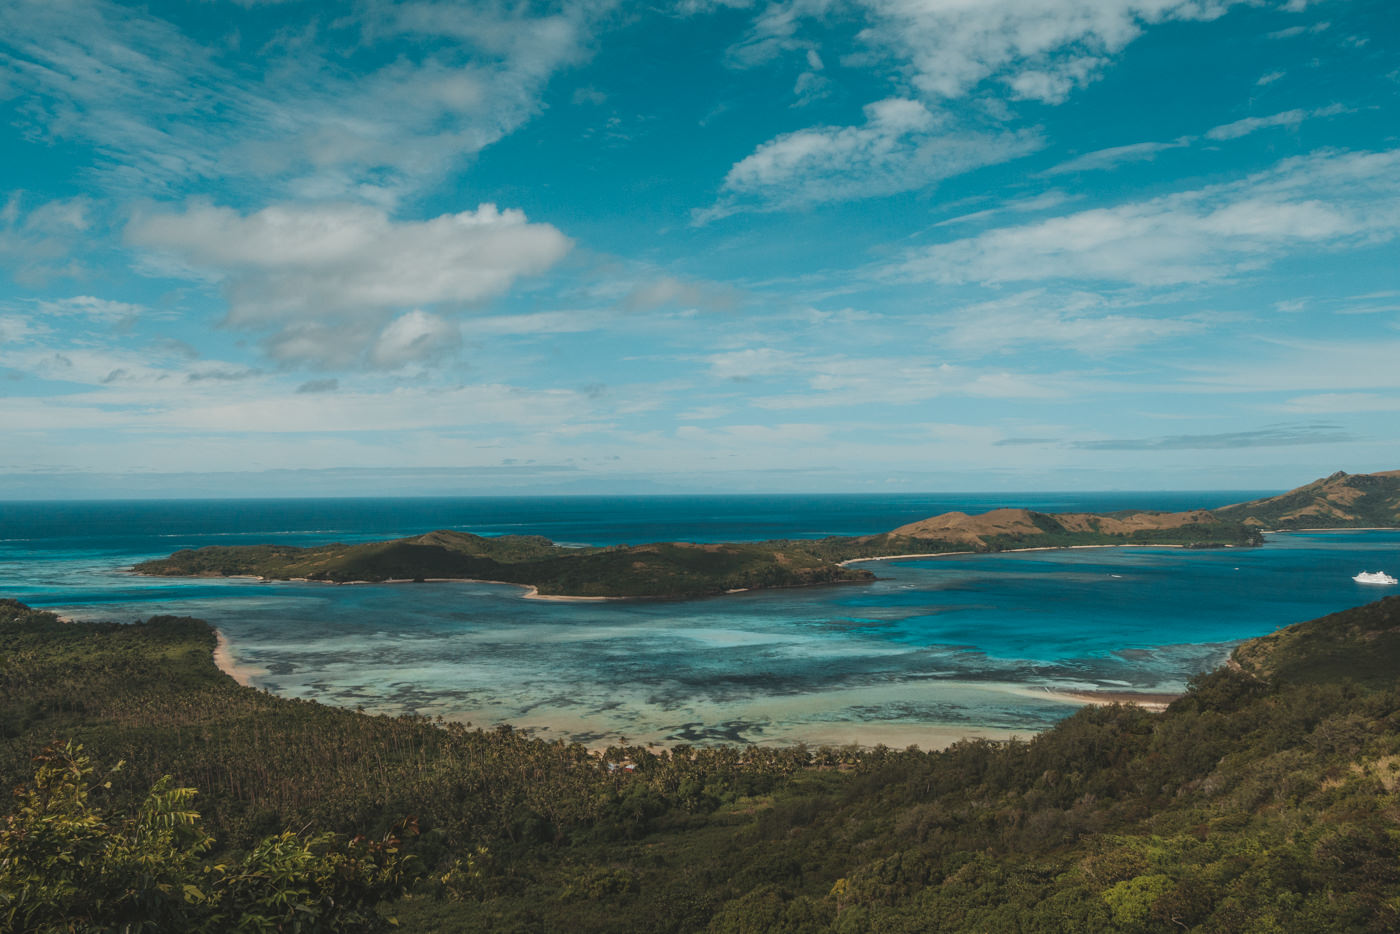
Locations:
{"points": [[962, 645]]}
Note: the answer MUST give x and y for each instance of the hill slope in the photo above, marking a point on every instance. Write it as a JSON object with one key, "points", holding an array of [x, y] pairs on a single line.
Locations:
{"points": [[1262, 800], [1340, 501]]}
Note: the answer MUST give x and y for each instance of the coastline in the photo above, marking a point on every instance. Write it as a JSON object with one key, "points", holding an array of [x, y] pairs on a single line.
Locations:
{"points": [[860, 735], [223, 658], [1010, 551], [531, 592], [1155, 701]]}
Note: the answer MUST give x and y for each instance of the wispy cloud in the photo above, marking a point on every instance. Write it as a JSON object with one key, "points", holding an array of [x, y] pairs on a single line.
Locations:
{"points": [[89, 306], [1271, 437], [902, 146], [164, 110], [1040, 50], [39, 242], [1115, 156], [1081, 322], [1324, 201], [1288, 118]]}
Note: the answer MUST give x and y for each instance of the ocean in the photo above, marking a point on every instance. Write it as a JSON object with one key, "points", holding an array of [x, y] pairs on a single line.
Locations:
{"points": [[935, 649]]}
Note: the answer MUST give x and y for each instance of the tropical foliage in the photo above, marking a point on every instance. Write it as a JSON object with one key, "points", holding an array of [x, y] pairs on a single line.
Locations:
{"points": [[68, 864], [1264, 800]]}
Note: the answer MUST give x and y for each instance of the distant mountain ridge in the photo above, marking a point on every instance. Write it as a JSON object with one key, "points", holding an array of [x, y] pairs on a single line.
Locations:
{"points": [[682, 569]]}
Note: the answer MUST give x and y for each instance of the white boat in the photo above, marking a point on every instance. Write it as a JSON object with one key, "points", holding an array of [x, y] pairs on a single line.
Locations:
{"points": [[1374, 577]]}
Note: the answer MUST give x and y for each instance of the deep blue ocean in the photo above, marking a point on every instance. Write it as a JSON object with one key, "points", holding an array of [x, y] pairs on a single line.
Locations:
{"points": [[935, 649]]}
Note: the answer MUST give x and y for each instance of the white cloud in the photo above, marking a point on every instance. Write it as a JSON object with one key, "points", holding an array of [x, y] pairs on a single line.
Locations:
{"points": [[669, 291], [539, 322], [1115, 156], [901, 146], [1322, 366], [752, 363], [841, 380], [1042, 49], [90, 307], [327, 275], [1082, 322], [164, 110], [751, 435], [1038, 50], [1295, 31], [1339, 402], [1323, 201], [412, 338], [1289, 118], [39, 241]]}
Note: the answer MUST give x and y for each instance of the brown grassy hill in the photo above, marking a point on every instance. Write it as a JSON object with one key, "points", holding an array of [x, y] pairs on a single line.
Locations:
{"points": [[972, 530], [1337, 502], [1002, 526]]}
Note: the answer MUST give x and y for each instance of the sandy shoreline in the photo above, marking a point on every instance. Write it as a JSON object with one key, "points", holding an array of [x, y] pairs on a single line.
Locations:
{"points": [[1148, 700], [1010, 551], [223, 658]]}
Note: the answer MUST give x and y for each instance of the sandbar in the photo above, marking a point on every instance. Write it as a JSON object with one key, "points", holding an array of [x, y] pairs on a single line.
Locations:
{"points": [[1148, 700]]}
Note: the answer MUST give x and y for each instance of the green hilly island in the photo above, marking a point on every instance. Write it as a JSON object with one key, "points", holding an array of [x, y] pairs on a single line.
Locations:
{"points": [[681, 569], [1264, 799]]}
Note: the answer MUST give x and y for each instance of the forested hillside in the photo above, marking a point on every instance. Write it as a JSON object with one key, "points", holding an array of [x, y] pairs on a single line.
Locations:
{"points": [[1263, 800]]}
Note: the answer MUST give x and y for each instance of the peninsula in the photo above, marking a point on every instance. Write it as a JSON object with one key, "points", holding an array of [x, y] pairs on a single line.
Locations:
{"points": [[682, 569]]}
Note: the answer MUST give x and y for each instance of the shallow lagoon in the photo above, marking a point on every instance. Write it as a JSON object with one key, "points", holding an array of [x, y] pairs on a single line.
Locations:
{"points": [[935, 649]]}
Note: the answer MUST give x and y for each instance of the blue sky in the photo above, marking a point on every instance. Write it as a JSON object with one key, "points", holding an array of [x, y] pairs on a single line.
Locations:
{"points": [[291, 248]]}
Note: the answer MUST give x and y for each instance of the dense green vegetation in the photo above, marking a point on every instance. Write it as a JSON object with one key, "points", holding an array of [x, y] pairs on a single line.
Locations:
{"points": [[667, 569], [68, 864], [1264, 800]]}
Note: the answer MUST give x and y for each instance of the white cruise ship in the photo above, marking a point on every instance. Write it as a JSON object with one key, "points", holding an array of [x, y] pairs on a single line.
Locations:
{"points": [[1374, 577]]}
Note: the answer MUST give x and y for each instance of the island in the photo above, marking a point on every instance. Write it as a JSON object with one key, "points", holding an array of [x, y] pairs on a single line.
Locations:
{"points": [[684, 569]]}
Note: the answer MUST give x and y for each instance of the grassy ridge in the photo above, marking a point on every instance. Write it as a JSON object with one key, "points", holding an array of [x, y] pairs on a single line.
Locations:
{"points": [[1263, 800], [1340, 501]]}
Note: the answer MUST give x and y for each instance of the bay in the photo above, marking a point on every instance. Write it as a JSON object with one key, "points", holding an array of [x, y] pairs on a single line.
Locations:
{"points": [[933, 650]]}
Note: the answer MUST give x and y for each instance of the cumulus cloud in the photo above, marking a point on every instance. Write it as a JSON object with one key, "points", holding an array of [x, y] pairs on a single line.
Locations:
{"points": [[412, 338], [1322, 201], [329, 277], [902, 145]]}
